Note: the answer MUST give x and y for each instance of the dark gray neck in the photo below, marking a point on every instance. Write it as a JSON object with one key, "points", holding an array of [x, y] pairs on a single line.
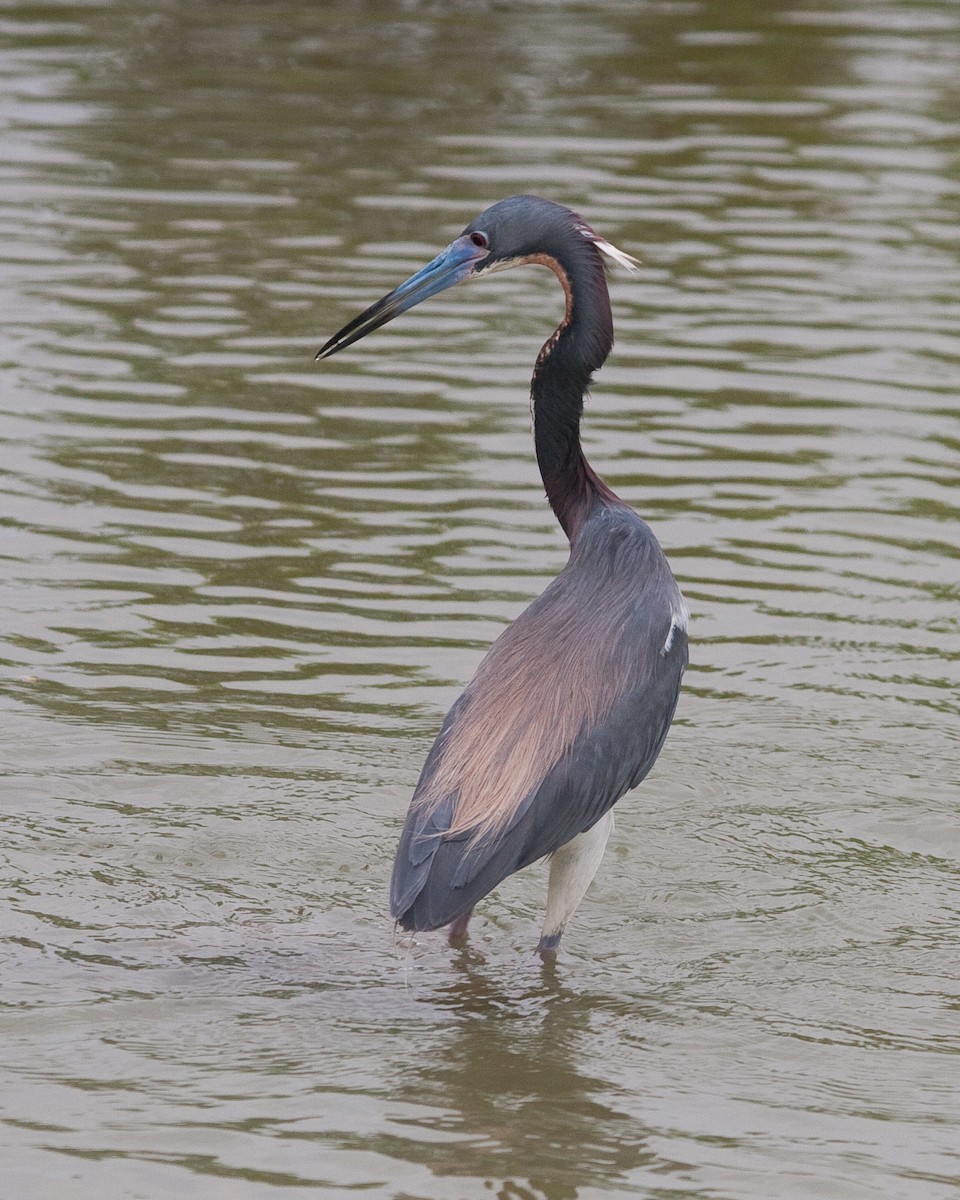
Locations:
{"points": [[560, 380]]}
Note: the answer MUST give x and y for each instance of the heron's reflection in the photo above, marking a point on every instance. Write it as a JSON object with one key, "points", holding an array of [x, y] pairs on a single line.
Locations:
{"points": [[512, 1078]]}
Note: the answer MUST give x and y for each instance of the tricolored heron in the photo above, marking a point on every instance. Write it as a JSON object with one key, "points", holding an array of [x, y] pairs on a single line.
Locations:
{"points": [[571, 705]]}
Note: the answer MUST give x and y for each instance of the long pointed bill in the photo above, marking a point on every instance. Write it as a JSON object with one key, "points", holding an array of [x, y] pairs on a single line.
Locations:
{"points": [[449, 267]]}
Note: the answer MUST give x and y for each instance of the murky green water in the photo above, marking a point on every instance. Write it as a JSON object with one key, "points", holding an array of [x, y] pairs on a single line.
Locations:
{"points": [[240, 589]]}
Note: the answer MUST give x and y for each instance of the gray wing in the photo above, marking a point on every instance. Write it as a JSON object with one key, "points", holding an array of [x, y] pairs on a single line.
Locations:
{"points": [[437, 878]]}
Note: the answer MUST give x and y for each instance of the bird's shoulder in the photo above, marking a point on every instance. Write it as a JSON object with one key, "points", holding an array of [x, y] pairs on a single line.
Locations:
{"points": [[615, 595], [616, 536]]}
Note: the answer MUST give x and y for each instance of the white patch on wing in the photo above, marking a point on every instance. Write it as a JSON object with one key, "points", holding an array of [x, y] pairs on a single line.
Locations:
{"points": [[678, 620]]}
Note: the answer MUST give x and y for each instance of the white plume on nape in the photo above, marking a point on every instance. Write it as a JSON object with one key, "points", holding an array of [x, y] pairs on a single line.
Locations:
{"points": [[614, 253]]}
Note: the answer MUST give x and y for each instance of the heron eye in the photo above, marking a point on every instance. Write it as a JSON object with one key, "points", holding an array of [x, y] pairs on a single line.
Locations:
{"points": [[480, 239]]}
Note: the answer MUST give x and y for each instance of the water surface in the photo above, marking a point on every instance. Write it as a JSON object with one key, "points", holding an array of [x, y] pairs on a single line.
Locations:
{"points": [[241, 589]]}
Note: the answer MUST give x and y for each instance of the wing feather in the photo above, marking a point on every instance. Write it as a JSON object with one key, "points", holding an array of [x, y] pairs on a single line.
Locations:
{"points": [[621, 644], [599, 768]]}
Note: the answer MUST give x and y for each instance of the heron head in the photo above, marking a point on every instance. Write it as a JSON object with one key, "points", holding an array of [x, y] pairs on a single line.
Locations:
{"points": [[520, 229]]}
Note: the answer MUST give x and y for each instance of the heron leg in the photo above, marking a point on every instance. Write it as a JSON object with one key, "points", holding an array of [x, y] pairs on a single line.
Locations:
{"points": [[457, 930], [572, 869]]}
